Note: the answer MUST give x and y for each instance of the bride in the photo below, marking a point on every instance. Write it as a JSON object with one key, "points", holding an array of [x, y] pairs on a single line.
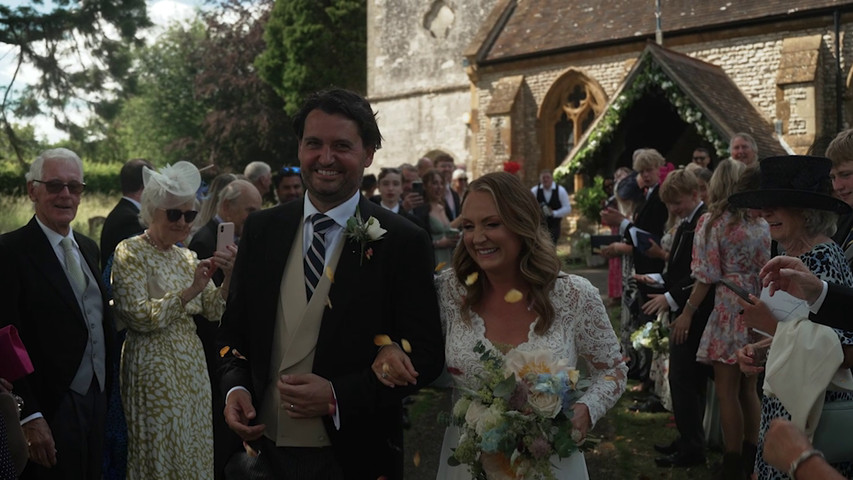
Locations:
{"points": [[505, 250]]}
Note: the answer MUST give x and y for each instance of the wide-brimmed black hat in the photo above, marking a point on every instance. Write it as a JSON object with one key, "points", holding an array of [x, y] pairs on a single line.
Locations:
{"points": [[794, 181]]}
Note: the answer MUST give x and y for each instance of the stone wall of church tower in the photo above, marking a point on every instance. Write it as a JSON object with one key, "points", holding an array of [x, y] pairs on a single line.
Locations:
{"points": [[416, 79]]}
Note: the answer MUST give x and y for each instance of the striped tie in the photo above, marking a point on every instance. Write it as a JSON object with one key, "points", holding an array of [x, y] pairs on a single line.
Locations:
{"points": [[315, 257]]}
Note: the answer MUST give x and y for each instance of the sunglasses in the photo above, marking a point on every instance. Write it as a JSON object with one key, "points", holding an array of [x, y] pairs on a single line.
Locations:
{"points": [[289, 170], [55, 186], [173, 215]]}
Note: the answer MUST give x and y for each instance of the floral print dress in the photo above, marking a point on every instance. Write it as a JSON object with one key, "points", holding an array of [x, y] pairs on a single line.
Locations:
{"points": [[827, 262], [735, 251], [165, 388]]}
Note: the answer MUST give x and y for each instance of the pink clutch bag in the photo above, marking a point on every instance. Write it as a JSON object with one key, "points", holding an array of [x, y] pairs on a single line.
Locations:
{"points": [[14, 361]]}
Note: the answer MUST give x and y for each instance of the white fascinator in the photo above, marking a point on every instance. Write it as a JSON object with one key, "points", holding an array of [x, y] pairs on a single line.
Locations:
{"points": [[173, 185]]}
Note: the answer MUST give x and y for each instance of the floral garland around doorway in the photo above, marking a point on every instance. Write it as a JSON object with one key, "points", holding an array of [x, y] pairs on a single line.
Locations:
{"points": [[651, 76]]}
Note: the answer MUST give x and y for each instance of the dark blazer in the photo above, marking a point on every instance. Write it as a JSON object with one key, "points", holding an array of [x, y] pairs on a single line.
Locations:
{"points": [[836, 307], [37, 298], [122, 222], [390, 293], [678, 278], [204, 244], [457, 205], [651, 217]]}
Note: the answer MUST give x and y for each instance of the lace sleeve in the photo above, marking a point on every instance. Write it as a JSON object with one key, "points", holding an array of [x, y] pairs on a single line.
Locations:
{"points": [[597, 344]]}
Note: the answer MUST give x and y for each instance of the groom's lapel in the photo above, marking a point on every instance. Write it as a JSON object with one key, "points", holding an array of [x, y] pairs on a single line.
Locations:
{"points": [[351, 274]]}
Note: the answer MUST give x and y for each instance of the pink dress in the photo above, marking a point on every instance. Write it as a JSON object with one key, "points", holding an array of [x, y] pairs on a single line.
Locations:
{"points": [[736, 252]]}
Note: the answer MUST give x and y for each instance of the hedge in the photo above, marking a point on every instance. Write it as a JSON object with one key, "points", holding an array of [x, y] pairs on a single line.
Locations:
{"points": [[99, 178]]}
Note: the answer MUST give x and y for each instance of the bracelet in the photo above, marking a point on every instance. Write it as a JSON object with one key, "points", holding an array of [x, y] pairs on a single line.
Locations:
{"points": [[690, 306], [807, 454]]}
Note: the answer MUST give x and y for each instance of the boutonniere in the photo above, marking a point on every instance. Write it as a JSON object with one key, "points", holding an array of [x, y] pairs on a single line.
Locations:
{"points": [[364, 232]]}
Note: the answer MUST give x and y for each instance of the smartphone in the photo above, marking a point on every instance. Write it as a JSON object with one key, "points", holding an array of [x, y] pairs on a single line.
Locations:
{"points": [[418, 187], [224, 236], [737, 289]]}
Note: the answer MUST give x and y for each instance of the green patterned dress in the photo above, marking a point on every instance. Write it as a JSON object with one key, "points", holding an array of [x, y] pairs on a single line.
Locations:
{"points": [[165, 387]]}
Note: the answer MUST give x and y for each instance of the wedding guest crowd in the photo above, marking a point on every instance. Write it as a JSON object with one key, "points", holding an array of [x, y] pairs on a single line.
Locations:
{"points": [[439, 266]]}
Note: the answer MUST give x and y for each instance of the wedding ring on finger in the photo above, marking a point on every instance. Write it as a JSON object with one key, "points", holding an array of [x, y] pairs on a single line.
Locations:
{"points": [[291, 407]]}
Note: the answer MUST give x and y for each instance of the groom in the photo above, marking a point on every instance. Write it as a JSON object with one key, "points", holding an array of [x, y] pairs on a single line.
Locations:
{"points": [[306, 302]]}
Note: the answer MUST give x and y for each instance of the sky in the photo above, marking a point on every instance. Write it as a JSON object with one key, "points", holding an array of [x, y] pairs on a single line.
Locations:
{"points": [[161, 12]]}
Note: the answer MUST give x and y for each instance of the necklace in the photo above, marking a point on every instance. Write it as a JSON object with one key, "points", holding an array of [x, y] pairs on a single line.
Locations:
{"points": [[152, 242]]}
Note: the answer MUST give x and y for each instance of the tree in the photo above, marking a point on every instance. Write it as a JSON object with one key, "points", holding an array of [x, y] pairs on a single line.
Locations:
{"points": [[81, 50], [245, 120], [163, 120], [315, 44], [199, 97]]}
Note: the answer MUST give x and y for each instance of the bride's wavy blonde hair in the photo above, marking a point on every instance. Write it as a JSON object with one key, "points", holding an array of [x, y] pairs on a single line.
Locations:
{"points": [[538, 261]]}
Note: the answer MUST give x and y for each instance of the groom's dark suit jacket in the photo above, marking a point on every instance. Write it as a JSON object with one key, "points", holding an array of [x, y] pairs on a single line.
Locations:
{"points": [[37, 298], [390, 293]]}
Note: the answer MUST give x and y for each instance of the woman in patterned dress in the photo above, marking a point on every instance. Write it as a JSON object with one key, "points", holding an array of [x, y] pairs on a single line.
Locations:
{"points": [[157, 288], [795, 200], [504, 243], [728, 244]]}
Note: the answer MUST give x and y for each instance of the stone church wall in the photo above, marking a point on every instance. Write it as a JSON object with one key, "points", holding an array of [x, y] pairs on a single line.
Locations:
{"points": [[752, 62]]}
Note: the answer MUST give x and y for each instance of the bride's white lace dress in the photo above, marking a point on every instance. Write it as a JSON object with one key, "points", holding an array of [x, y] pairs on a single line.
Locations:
{"points": [[581, 329]]}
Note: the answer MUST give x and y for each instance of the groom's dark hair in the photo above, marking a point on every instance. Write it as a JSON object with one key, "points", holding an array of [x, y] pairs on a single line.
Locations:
{"points": [[342, 102]]}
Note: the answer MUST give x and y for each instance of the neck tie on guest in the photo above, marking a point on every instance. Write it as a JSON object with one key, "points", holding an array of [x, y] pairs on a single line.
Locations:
{"points": [[72, 267], [315, 257]]}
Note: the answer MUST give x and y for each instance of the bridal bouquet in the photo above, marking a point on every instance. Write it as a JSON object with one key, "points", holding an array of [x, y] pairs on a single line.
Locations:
{"points": [[653, 335], [519, 417]]}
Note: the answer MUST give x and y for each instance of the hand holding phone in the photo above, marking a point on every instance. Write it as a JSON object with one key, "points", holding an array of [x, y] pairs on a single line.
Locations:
{"points": [[740, 291], [224, 236]]}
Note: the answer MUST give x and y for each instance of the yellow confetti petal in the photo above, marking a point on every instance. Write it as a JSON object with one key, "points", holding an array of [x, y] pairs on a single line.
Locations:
{"points": [[224, 351], [417, 459], [440, 266], [407, 347], [472, 279], [385, 368], [513, 296], [381, 340], [330, 274], [610, 377]]}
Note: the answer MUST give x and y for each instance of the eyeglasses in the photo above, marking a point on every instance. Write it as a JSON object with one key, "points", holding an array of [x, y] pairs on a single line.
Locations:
{"points": [[55, 186], [173, 214], [289, 170]]}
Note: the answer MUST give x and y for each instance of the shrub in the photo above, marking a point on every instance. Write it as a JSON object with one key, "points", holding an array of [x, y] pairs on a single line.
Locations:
{"points": [[590, 200]]}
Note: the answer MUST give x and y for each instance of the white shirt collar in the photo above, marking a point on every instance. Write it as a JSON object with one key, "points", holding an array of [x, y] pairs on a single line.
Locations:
{"points": [[54, 237], [689, 218], [339, 214], [134, 202]]}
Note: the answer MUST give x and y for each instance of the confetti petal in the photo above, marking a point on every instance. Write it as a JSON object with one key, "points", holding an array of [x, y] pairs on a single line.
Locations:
{"points": [[440, 266], [407, 347], [224, 351], [330, 274], [381, 340], [472, 279], [237, 354], [417, 459], [513, 296], [329, 302], [385, 368]]}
